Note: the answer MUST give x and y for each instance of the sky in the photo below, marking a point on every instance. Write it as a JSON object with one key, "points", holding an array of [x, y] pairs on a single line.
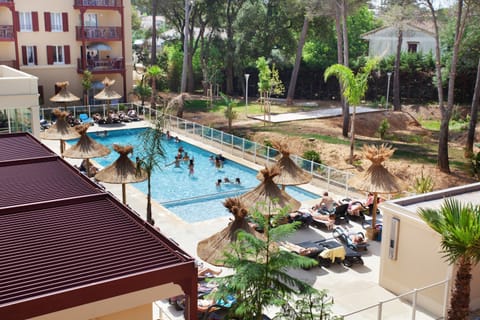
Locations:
{"points": [[437, 3]]}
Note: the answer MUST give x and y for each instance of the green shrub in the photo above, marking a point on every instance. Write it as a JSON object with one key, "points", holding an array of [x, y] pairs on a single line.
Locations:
{"points": [[423, 184], [475, 165], [312, 155], [382, 129]]}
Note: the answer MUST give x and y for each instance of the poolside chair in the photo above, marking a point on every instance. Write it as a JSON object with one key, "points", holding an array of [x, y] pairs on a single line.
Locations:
{"points": [[349, 239], [84, 118]]}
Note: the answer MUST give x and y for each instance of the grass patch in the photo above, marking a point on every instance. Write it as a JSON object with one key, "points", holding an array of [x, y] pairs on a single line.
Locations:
{"points": [[454, 126]]}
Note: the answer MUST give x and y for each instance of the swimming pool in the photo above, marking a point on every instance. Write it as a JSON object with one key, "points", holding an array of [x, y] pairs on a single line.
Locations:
{"points": [[191, 197]]}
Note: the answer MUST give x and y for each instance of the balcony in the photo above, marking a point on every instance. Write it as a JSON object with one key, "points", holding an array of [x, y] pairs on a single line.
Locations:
{"points": [[97, 4], [7, 3], [99, 33], [10, 63], [6, 33], [98, 66]]}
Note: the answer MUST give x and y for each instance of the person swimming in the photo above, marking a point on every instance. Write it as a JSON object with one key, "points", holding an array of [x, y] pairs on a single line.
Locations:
{"points": [[191, 168], [237, 181]]}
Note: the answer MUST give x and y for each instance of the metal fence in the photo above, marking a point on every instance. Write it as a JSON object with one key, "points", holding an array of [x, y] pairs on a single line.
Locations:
{"points": [[101, 109], [327, 177], [414, 294]]}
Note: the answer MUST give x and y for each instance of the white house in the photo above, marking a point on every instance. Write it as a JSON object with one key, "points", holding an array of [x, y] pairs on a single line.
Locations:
{"points": [[383, 41], [411, 256]]}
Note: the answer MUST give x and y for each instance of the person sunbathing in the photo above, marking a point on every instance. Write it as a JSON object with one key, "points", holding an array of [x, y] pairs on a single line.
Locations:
{"points": [[208, 272], [357, 238], [329, 219], [298, 249]]}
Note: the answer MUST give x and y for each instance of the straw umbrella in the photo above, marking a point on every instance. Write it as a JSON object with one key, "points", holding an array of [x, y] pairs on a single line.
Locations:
{"points": [[376, 179], [123, 170], [86, 148], [107, 94], [290, 173], [267, 191], [212, 249], [61, 130], [64, 96]]}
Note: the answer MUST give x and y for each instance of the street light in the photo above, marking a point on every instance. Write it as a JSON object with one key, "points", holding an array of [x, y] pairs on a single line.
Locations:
{"points": [[246, 92], [389, 74]]}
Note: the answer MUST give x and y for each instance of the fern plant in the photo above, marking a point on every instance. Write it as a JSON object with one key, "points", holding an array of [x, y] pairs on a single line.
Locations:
{"points": [[423, 184]]}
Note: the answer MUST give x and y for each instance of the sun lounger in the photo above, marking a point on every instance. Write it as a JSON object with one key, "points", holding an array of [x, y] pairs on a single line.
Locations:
{"points": [[353, 240], [84, 118], [331, 251]]}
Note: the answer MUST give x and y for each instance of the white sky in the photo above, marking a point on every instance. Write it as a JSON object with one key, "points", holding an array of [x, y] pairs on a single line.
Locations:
{"points": [[437, 3]]}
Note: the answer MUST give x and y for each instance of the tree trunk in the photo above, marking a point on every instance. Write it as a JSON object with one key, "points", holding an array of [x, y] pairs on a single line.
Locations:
{"points": [[149, 201], [460, 300], [443, 163], [183, 85], [229, 63], [298, 59], [473, 116], [153, 52], [396, 76], [340, 57]]}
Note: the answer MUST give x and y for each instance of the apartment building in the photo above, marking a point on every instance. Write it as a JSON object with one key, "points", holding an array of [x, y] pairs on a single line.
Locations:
{"points": [[56, 40]]}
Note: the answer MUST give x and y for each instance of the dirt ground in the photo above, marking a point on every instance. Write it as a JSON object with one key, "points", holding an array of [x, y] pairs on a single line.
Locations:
{"points": [[404, 126]]}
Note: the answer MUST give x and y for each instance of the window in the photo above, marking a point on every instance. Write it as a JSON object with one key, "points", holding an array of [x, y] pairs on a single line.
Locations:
{"points": [[25, 21], [412, 47], [91, 20], [56, 22], [58, 55], [29, 55]]}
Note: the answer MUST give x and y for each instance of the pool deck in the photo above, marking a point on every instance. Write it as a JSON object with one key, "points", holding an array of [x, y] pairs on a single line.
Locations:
{"points": [[352, 288]]}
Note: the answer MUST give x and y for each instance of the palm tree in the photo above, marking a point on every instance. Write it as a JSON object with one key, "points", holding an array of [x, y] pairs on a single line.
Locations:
{"points": [[154, 73], [354, 88], [87, 85], [150, 155], [459, 226], [230, 113]]}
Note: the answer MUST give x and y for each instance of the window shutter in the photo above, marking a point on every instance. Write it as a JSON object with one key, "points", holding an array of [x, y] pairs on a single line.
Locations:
{"points": [[48, 22], [65, 21], [50, 52], [35, 21], [24, 55], [16, 21], [66, 52], [35, 53]]}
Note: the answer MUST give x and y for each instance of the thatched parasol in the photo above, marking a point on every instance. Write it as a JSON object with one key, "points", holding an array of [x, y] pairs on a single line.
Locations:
{"points": [[86, 148], [123, 170], [107, 94], [376, 179], [61, 130], [64, 96], [290, 173], [270, 194], [212, 249]]}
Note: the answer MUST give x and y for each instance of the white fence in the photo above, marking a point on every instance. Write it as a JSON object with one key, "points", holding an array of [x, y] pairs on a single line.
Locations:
{"points": [[414, 294]]}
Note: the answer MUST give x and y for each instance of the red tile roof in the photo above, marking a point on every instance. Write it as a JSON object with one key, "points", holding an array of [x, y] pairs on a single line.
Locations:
{"points": [[66, 242]]}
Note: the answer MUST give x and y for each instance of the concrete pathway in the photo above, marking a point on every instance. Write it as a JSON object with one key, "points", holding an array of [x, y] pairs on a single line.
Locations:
{"points": [[314, 114]]}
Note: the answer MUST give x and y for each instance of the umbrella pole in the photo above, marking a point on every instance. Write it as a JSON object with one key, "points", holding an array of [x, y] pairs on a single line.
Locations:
{"points": [[62, 147], [87, 167], [124, 194]]}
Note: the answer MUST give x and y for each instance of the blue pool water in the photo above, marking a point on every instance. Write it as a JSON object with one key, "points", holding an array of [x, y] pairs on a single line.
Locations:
{"points": [[191, 197]]}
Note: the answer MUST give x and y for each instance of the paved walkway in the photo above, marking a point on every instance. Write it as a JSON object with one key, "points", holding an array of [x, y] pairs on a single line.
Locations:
{"points": [[314, 114], [352, 288]]}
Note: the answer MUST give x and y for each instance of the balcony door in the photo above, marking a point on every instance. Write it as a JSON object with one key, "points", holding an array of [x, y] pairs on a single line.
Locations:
{"points": [[91, 20]]}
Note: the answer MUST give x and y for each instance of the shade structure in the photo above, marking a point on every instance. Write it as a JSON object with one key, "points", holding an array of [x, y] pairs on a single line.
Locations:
{"points": [[122, 171], [61, 130], [100, 46], [107, 93], [377, 179], [213, 248], [290, 173], [64, 96], [86, 148], [269, 194]]}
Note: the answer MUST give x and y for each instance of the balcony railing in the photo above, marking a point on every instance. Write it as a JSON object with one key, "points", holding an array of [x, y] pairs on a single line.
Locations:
{"points": [[99, 33], [101, 65], [6, 33], [10, 63], [98, 3], [6, 2]]}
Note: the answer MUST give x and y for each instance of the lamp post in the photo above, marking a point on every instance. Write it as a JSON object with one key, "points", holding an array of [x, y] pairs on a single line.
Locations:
{"points": [[246, 92], [389, 74]]}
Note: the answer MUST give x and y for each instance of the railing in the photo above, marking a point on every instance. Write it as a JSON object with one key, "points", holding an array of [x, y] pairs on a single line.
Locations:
{"points": [[10, 63], [6, 32], [414, 294], [257, 153], [101, 65], [98, 3], [99, 33], [102, 109]]}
